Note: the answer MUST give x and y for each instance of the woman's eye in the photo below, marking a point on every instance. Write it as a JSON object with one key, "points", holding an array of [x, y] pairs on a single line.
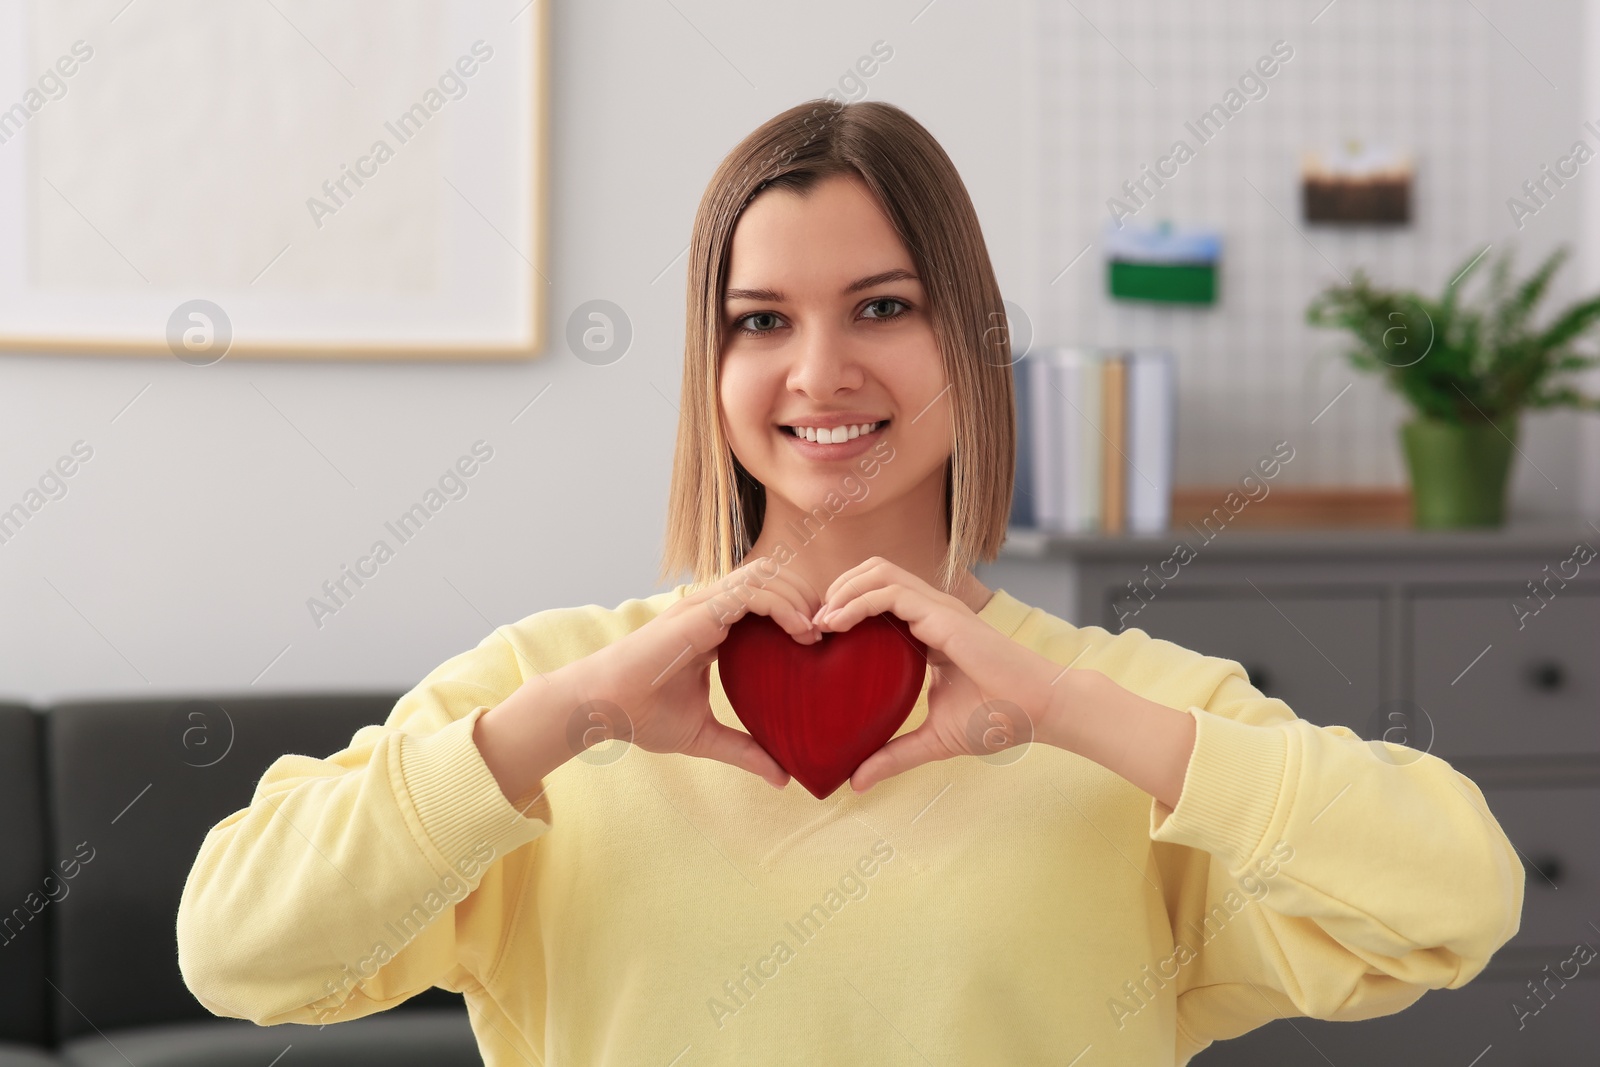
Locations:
{"points": [[891, 301], [764, 322]]}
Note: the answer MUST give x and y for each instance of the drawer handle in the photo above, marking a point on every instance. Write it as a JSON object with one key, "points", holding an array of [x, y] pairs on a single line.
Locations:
{"points": [[1549, 869], [1547, 676], [1258, 676]]}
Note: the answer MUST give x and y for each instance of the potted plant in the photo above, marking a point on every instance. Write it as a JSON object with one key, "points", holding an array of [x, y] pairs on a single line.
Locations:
{"points": [[1468, 369]]}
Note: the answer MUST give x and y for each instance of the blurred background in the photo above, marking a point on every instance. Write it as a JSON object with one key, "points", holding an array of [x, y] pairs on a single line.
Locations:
{"points": [[217, 503], [228, 370]]}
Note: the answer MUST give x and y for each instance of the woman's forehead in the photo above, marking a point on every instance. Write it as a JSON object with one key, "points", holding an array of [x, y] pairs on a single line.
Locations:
{"points": [[833, 217]]}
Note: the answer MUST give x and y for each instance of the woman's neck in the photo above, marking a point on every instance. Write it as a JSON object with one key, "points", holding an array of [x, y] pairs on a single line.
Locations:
{"points": [[813, 554]]}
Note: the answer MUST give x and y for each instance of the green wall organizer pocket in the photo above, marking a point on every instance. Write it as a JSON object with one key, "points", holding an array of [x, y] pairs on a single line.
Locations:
{"points": [[1163, 264]]}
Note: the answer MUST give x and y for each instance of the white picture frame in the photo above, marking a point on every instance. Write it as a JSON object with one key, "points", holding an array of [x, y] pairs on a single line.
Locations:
{"points": [[186, 177]]}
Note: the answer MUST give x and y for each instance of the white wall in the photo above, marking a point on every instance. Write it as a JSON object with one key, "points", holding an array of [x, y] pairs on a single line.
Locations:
{"points": [[184, 551], [1589, 226]]}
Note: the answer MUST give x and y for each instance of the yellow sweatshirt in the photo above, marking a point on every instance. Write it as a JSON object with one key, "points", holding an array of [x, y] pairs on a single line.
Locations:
{"points": [[1029, 907]]}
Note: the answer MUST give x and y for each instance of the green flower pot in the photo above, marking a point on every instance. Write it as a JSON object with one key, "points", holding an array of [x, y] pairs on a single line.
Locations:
{"points": [[1458, 471]]}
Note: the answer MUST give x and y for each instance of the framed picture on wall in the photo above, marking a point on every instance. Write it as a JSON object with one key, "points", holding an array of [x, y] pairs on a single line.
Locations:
{"points": [[287, 179]]}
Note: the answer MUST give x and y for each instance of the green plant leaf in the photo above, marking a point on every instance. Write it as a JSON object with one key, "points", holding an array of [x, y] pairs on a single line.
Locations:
{"points": [[1461, 359], [1572, 323]]}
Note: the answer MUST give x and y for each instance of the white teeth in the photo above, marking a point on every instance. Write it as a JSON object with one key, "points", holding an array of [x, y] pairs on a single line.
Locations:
{"points": [[835, 434]]}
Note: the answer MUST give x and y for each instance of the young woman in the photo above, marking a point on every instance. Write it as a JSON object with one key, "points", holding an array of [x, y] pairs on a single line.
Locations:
{"points": [[1081, 847]]}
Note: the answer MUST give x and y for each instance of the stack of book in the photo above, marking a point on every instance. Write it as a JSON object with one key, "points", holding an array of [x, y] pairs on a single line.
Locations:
{"points": [[1096, 433]]}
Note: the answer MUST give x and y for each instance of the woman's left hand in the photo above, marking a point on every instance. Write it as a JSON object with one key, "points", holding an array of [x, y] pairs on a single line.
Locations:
{"points": [[988, 692]]}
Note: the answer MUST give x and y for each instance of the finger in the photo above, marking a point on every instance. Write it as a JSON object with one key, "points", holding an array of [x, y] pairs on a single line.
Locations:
{"points": [[769, 603], [755, 571], [805, 595], [684, 637], [780, 610], [792, 589], [956, 641], [761, 587], [768, 574], [854, 578], [908, 605], [796, 597], [898, 755], [730, 746], [719, 604], [878, 572], [700, 621], [870, 586]]}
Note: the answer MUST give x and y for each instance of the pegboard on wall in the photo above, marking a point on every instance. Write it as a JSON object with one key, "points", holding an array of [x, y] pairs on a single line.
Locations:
{"points": [[1118, 83]]}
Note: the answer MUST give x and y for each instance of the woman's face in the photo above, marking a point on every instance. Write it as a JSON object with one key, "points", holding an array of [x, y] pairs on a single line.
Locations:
{"points": [[828, 326]]}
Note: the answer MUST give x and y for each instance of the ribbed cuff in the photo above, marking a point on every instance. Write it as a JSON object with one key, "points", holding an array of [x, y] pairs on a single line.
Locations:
{"points": [[457, 798], [1231, 790]]}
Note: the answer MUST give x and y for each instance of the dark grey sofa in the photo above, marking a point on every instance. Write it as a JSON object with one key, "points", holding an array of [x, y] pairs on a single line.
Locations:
{"points": [[105, 805]]}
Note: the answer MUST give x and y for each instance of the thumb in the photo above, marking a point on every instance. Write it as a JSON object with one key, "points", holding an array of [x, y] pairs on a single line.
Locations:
{"points": [[898, 755], [738, 749]]}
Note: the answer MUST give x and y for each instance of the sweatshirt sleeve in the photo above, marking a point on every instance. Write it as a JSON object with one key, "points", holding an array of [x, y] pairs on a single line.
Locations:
{"points": [[354, 882], [1323, 875]]}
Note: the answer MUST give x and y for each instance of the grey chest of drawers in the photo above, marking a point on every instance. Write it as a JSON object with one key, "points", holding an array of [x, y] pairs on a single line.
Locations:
{"points": [[1480, 646]]}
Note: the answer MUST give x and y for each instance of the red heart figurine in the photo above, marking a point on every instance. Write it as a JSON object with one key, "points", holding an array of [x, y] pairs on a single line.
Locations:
{"points": [[820, 710]]}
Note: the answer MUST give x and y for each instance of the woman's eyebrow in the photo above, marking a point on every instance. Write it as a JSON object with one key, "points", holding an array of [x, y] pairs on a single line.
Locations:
{"points": [[895, 275]]}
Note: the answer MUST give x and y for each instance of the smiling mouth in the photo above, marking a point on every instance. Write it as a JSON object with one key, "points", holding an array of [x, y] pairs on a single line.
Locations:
{"points": [[834, 434]]}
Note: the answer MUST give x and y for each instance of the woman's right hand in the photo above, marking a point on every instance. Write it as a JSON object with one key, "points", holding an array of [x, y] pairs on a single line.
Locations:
{"points": [[660, 674]]}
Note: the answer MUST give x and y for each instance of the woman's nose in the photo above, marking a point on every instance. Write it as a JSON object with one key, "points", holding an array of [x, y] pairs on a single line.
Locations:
{"points": [[824, 362]]}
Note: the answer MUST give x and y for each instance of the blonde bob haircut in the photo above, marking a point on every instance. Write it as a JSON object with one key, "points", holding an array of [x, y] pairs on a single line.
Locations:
{"points": [[716, 507]]}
